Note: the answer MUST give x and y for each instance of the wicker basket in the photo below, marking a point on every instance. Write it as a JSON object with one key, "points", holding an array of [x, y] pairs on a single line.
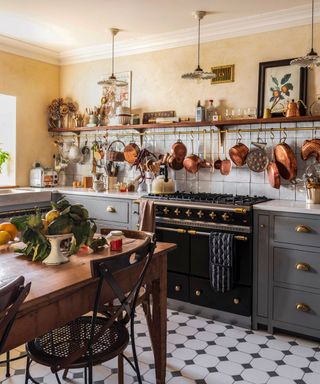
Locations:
{"points": [[112, 154]]}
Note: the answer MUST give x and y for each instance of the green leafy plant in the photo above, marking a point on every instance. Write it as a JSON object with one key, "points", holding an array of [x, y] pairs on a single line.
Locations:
{"points": [[4, 156]]}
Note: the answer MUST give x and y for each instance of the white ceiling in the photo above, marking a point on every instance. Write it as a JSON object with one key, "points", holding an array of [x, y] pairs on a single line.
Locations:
{"points": [[62, 29]]}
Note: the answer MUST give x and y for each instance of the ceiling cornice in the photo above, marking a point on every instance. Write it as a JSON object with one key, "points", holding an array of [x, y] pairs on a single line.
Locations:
{"points": [[263, 22], [21, 48]]}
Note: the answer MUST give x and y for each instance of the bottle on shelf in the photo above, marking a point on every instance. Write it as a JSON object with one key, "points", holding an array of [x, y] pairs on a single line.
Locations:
{"points": [[200, 112], [210, 111]]}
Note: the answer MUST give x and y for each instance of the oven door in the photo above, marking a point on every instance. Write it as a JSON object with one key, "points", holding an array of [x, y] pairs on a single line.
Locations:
{"points": [[242, 259]]}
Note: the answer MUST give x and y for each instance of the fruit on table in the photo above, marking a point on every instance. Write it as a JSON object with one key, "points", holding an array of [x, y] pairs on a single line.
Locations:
{"points": [[52, 215], [5, 237], [10, 228]]}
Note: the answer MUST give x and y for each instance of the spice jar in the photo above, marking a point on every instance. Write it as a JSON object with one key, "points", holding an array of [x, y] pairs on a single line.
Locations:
{"points": [[114, 239]]}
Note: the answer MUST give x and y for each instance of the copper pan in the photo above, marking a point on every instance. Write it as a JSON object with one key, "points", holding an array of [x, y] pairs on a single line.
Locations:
{"points": [[311, 148], [286, 160], [272, 169], [192, 162], [239, 152], [179, 150]]}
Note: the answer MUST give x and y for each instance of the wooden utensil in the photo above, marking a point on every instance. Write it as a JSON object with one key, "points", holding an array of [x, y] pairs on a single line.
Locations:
{"points": [[217, 163], [204, 163], [225, 166], [212, 151]]}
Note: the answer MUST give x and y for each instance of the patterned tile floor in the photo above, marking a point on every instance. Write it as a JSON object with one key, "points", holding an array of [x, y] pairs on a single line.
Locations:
{"points": [[205, 351]]}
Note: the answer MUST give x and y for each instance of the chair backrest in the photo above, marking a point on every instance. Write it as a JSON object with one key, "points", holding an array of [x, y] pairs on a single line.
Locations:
{"points": [[106, 269], [138, 256], [12, 294]]}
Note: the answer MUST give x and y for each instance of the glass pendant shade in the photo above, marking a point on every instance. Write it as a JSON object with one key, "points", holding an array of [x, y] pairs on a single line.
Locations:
{"points": [[198, 73], [310, 59]]}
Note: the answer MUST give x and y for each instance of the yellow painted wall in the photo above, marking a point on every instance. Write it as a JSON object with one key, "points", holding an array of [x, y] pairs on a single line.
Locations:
{"points": [[35, 84], [157, 83]]}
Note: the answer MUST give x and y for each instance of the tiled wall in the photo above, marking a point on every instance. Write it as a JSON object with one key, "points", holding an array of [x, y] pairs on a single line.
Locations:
{"points": [[240, 181]]}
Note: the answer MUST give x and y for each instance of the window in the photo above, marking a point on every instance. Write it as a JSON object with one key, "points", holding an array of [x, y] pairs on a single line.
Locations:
{"points": [[8, 138]]}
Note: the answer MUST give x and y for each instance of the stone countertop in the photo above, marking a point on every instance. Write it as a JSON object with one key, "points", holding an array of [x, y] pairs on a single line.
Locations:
{"points": [[91, 192], [288, 206]]}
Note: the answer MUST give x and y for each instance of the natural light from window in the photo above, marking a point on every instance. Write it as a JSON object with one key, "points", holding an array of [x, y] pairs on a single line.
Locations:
{"points": [[8, 139]]}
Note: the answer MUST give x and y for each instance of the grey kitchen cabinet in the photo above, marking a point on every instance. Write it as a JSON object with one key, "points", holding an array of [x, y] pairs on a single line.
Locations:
{"points": [[286, 281], [108, 212]]}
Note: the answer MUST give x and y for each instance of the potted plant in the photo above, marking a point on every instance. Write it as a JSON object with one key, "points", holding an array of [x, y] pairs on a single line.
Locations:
{"points": [[4, 156]]}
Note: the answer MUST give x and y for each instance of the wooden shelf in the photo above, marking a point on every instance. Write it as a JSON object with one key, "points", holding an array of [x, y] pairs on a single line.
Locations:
{"points": [[187, 124]]}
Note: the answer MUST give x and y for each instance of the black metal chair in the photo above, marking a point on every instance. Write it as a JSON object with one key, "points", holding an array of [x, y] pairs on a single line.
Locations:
{"points": [[12, 294], [92, 340]]}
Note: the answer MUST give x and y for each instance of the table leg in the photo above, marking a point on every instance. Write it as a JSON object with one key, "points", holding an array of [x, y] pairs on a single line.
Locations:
{"points": [[158, 331]]}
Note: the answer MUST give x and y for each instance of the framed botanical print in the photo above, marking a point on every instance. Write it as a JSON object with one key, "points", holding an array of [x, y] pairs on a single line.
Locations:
{"points": [[279, 82]]}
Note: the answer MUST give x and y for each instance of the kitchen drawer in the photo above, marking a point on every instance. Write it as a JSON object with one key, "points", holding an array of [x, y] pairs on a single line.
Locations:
{"points": [[178, 286], [109, 225], [112, 210], [285, 307], [296, 230], [237, 300], [297, 267]]}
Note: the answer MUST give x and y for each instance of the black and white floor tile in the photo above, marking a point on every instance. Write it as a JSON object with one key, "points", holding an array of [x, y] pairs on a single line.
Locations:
{"points": [[204, 351]]}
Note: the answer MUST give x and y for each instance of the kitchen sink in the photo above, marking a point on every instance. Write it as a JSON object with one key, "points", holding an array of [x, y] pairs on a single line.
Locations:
{"points": [[19, 196]]}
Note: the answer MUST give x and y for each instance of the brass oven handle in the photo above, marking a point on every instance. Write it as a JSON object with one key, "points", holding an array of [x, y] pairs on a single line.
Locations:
{"points": [[193, 232], [178, 230], [302, 267], [198, 292], [111, 209], [303, 229], [178, 288], [302, 307]]}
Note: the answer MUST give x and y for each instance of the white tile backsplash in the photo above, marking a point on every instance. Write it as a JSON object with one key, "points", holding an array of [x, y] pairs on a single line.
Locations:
{"points": [[241, 180]]}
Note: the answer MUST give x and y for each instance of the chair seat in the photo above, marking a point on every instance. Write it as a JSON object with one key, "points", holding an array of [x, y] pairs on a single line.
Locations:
{"points": [[55, 346]]}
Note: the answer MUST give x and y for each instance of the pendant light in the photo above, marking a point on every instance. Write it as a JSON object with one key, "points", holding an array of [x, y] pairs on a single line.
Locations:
{"points": [[198, 73], [312, 57], [112, 80]]}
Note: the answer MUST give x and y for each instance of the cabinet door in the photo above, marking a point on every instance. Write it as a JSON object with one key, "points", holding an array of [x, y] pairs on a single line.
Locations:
{"points": [[178, 260], [261, 260]]}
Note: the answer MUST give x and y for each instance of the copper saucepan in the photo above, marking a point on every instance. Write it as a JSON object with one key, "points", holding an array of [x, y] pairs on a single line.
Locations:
{"points": [[179, 150], [192, 162], [285, 160], [311, 148], [239, 152]]}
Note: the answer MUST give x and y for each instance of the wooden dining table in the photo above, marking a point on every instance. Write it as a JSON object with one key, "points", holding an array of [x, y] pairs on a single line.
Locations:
{"points": [[64, 292]]}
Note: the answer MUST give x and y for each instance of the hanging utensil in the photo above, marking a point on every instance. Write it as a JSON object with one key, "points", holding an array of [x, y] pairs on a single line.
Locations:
{"points": [[225, 166], [272, 168], [192, 162], [204, 162], [239, 152], [285, 159], [212, 151], [257, 159], [217, 163]]}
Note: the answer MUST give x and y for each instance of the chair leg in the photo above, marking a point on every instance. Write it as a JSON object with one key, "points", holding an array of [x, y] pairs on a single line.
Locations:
{"points": [[58, 378], [65, 373], [8, 364], [133, 346], [120, 369], [85, 376]]}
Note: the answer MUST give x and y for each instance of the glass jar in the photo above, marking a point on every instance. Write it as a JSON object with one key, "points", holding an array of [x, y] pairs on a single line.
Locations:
{"points": [[114, 240]]}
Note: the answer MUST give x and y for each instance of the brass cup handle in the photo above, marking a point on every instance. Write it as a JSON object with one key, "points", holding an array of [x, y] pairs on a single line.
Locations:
{"points": [[177, 288], [198, 292], [303, 229], [302, 307], [302, 267], [111, 209]]}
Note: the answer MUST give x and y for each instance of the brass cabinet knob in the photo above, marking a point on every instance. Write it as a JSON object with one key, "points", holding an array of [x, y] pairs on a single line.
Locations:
{"points": [[225, 217], [198, 292], [165, 210], [302, 267], [262, 226], [200, 214], [177, 288], [181, 230], [177, 211], [236, 300], [303, 229], [111, 209], [212, 215], [302, 307], [188, 212]]}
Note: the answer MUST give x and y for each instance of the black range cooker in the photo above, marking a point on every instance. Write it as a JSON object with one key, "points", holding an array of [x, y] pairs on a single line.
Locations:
{"points": [[187, 220]]}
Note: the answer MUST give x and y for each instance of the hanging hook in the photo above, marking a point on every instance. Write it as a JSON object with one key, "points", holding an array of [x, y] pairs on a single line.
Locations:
{"points": [[239, 139], [272, 134]]}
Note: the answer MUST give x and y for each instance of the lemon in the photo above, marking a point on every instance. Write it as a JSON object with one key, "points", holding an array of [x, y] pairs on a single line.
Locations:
{"points": [[10, 228], [52, 215], [5, 237]]}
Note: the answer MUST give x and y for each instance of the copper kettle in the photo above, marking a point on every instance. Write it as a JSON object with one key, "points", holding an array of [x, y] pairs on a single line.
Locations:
{"points": [[292, 109]]}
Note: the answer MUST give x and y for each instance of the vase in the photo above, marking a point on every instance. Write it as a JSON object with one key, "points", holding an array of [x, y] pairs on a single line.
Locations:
{"points": [[55, 256]]}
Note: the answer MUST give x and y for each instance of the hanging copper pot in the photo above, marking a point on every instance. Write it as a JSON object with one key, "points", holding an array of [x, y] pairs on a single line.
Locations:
{"points": [[272, 169], [285, 160], [239, 152]]}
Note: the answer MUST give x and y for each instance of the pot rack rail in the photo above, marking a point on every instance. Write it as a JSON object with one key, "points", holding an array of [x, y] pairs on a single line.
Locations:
{"points": [[204, 131]]}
